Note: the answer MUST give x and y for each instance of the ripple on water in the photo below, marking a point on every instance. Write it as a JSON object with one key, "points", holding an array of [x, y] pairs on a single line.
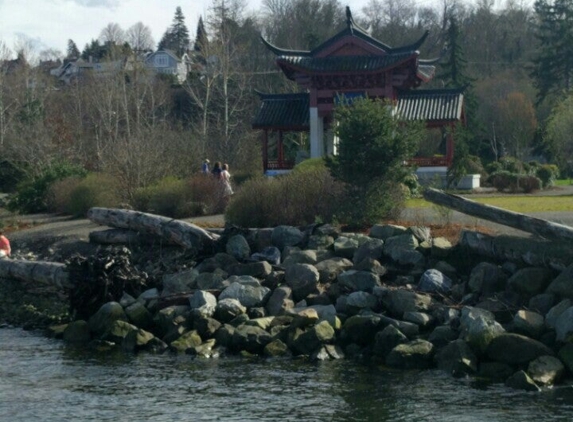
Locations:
{"points": [[40, 379]]}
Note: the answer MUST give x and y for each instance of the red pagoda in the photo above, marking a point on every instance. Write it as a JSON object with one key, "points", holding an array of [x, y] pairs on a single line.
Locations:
{"points": [[353, 64]]}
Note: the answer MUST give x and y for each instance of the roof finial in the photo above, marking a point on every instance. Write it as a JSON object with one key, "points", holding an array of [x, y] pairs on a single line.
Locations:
{"points": [[349, 20]]}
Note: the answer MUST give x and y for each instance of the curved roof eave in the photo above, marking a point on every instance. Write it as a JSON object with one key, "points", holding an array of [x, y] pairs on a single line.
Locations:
{"points": [[414, 46], [284, 52]]}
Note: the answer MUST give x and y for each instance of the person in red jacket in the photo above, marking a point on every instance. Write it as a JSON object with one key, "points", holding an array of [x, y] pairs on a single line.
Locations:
{"points": [[5, 250]]}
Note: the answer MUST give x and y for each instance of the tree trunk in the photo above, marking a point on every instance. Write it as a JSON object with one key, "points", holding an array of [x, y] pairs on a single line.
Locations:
{"points": [[52, 273], [179, 232], [537, 226]]}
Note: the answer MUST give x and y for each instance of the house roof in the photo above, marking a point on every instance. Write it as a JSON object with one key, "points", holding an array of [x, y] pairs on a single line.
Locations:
{"points": [[431, 105], [283, 111], [291, 111]]}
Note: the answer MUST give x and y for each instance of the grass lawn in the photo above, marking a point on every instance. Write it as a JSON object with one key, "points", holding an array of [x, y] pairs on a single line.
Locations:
{"points": [[564, 182], [522, 204]]}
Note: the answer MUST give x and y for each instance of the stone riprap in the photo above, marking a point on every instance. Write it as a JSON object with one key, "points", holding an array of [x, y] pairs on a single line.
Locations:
{"points": [[398, 297]]}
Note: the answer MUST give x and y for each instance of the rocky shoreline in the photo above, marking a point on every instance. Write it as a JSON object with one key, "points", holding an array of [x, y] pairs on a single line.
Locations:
{"points": [[397, 297]]}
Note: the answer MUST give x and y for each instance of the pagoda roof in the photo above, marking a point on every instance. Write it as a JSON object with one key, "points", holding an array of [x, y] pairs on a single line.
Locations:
{"points": [[352, 30], [283, 111], [291, 111], [431, 105]]}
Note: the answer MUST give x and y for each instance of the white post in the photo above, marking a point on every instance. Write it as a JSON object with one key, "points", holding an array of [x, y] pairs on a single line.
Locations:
{"points": [[316, 134], [331, 142]]}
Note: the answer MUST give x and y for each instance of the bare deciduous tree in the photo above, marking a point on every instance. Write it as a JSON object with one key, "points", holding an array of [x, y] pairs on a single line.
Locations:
{"points": [[139, 38]]}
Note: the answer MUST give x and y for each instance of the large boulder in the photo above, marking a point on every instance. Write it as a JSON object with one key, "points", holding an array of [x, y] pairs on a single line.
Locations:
{"points": [[221, 261], [521, 381], [386, 340], [204, 303], [515, 349], [77, 333], [302, 279], [372, 248], [360, 329], [301, 257], [270, 254], [286, 236], [141, 339], [546, 370], [313, 338], [169, 317], [118, 330], [188, 340], [530, 281], [562, 285], [486, 278], [279, 301], [357, 301], [329, 269], [211, 281], [555, 312], [457, 358], [139, 316], [384, 231], [346, 246], [247, 290], [564, 326], [528, 323], [542, 303], [359, 280], [566, 356], [103, 319], [441, 247], [433, 281], [238, 247], [228, 309], [416, 354], [480, 332], [259, 269], [178, 282], [250, 338], [399, 301]]}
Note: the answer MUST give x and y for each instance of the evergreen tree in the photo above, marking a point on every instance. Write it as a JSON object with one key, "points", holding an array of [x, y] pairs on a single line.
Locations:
{"points": [[553, 64], [200, 37], [176, 38], [72, 52]]}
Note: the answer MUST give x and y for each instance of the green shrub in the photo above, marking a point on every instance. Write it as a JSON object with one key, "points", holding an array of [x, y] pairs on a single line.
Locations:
{"points": [[512, 165], [310, 164], [165, 197], [95, 190], [298, 198], [206, 190], [494, 167], [529, 183], [504, 180], [59, 193], [548, 173], [31, 194]]}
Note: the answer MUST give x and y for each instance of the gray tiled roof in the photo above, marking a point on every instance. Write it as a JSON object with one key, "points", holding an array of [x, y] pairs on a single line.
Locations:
{"points": [[283, 111], [431, 105]]}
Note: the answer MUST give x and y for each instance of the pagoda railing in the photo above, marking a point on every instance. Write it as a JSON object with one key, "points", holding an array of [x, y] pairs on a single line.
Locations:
{"points": [[279, 165], [429, 161]]}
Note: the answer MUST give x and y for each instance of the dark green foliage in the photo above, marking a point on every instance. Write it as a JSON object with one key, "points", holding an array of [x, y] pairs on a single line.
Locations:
{"points": [[10, 175], [529, 183], [553, 65], [504, 180], [72, 53], [31, 194], [547, 174], [373, 146], [176, 38]]}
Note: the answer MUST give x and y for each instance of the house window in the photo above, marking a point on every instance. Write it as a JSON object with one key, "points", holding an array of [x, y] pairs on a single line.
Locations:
{"points": [[161, 60]]}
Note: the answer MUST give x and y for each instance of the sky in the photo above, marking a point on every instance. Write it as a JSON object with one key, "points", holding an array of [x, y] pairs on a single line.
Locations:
{"points": [[51, 23]]}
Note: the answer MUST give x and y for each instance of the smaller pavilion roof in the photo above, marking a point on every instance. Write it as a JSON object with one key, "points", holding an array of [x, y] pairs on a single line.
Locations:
{"points": [[283, 112], [431, 105]]}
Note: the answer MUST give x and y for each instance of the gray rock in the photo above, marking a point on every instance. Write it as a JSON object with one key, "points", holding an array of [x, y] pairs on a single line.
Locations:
{"points": [[276, 348], [469, 314], [372, 248], [319, 241], [138, 315], [228, 309], [219, 261], [486, 279], [442, 335], [386, 230], [179, 282], [247, 290], [360, 329], [238, 247], [528, 323], [409, 329], [421, 319], [279, 301], [422, 233], [359, 280], [566, 356], [555, 312], [206, 327], [481, 331], [386, 340], [457, 358], [564, 326], [346, 246], [138, 339], [446, 269], [188, 340], [250, 338], [562, 285], [104, 318], [167, 318], [441, 247], [271, 254], [433, 281], [495, 371], [204, 302], [357, 301], [372, 266], [399, 301], [77, 333], [117, 331], [515, 349], [530, 281], [149, 294], [329, 269], [126, 300], [404, 241], [416, 354], [210, 281], [286, 236], [260, 269], [521, 381], [542, 303], [313, 338], [302, 279], [301, 257], [546, 370]]}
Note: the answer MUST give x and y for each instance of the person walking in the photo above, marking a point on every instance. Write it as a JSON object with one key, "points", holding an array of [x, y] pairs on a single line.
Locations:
{"points": [[205, 166], [217, 170], [226, 179], [5, 250]]}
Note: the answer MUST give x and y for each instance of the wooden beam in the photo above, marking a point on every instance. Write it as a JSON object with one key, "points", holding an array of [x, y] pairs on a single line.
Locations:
{"points": [[537, 226]]}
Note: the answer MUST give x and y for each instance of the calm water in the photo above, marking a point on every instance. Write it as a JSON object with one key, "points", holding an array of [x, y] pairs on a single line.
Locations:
{"points": [[41, 380]]}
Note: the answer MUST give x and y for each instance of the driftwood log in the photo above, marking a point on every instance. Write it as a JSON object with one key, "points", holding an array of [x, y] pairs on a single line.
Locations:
{"points": [[537, 226], [52, 273], [121, 237], [179, 232]]}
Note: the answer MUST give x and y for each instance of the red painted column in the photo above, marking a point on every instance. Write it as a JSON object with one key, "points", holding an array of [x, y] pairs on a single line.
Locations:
{"points": [[450, 147]]}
